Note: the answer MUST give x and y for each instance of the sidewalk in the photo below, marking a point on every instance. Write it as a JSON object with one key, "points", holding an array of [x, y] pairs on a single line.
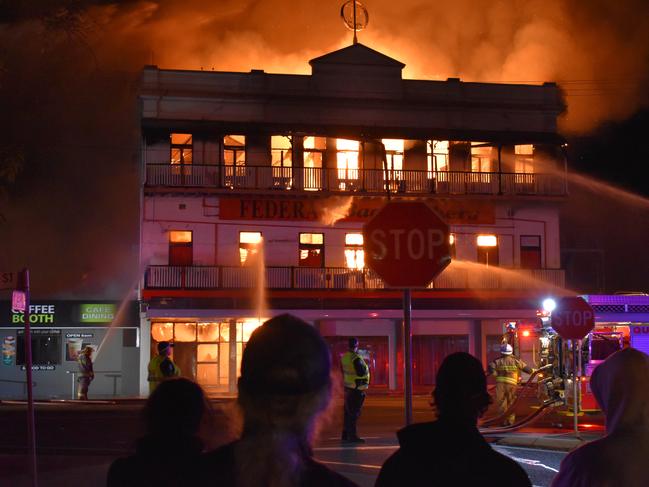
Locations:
{"points": [[547, 439]]}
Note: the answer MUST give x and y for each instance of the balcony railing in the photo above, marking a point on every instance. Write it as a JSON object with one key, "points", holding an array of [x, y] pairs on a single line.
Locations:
{"points": [[354, 180], [224, 277]]}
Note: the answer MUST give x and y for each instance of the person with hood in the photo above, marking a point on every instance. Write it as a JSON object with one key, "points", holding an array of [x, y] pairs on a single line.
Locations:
{"points": [[451, 450], [621, 387], [285, 385], [167, 454]]}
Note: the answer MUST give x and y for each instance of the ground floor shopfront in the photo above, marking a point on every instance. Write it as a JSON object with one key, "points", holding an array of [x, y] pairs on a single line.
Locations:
{"points": [[208, 343], [59, 330]]}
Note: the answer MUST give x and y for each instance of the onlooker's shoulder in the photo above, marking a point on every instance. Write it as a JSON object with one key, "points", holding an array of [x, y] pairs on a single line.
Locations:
{"points": [[510, 469]]}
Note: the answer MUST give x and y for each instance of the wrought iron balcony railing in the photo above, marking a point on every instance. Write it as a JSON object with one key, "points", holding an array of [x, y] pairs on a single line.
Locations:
{"points": [[225, 277], [353, 180]]}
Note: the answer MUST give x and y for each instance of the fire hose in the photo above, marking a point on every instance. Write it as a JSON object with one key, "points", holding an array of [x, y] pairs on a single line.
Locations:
{"points": [[527, 420]]}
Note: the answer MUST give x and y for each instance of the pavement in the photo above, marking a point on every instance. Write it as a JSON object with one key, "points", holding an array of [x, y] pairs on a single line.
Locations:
{"points": [[66, 455]]}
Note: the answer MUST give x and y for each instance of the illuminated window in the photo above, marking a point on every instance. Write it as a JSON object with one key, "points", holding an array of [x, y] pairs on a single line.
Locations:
{"points": [[281, 151], [180, 248], [249, 243], [234, 150], [208, 332], [311, 250], [524, 159], [481, 157], [314, 149], [354, 254], [488, 249], [162, 332], [184, 332], [181, 148], [437, 156], [394, 153], [451, 241], [347, 159]]}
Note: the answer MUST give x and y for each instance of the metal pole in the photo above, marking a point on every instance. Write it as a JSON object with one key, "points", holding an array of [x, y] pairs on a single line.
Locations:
{"points": [[354, 6], [407, 353], [575, 387], [31, 423]]}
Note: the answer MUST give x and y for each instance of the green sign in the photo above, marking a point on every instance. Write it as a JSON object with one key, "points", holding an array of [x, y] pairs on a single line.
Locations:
{"points": [[97, 313]]}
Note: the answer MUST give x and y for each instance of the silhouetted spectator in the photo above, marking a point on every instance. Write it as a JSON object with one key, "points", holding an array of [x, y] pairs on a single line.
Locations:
{"points": [[451, 451], [285, 384], [168, 453], [621, 387]]}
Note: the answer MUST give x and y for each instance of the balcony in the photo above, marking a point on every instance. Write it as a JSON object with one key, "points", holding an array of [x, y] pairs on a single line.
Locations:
{"points": [[363, 181], [340, 278]]}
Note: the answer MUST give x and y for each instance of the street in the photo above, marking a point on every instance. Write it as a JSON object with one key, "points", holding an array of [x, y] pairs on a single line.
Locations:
{"points": [[79, 441]]}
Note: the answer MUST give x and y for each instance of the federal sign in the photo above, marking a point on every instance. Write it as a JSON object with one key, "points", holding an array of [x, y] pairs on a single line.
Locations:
{"points": [[407, 244], [573, 318]]}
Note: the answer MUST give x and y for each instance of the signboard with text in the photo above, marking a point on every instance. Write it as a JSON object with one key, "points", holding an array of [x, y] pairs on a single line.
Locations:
{"points": [[573, 318]]}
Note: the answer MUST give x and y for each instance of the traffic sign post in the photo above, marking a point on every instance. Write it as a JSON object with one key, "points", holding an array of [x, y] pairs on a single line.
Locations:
{"points": [[407, 244], [573, 319]]}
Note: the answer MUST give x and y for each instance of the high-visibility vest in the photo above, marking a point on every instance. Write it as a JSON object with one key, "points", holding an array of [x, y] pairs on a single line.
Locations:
{"points": [[350, 378], [155, 372]]}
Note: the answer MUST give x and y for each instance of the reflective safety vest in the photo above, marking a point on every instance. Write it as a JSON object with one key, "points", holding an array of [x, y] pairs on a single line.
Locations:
{"points": [[156, 374], [351, 378], [506, 369]]}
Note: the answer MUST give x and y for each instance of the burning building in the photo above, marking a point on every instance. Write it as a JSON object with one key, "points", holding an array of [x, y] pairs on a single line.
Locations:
{"points": [[256, 186]]}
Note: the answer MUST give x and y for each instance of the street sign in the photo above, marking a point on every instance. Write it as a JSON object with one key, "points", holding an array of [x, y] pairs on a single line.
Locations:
{"points": [[407, 244], [8, 279], [573, 318]]}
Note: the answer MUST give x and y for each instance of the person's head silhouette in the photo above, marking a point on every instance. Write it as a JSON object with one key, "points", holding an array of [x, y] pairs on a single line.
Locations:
{"points": [[461, 388], [175, 408]]}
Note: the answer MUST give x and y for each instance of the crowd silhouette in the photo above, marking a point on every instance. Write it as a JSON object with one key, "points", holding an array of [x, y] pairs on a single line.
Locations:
{"points": [[285, 388]]}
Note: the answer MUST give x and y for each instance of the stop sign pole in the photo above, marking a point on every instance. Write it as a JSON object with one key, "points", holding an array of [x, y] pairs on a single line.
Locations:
{"points": [[573, 319], [407, 244]]}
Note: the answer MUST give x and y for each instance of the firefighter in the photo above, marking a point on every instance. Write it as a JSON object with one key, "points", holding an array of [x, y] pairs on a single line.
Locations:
{"points": [[510, 337], [506, 369], [356, 379], [161, 366], [86, 373]]}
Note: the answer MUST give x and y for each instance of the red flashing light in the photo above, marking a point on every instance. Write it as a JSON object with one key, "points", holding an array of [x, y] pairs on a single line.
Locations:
{"points": [[526, 333]]}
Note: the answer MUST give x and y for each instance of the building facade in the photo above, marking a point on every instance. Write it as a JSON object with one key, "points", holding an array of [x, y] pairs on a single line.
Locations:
{"points": [[255, 188]]}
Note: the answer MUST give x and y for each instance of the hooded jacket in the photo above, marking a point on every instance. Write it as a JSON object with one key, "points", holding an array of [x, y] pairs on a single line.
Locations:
{"points": [[448, 453], [621, 387]]}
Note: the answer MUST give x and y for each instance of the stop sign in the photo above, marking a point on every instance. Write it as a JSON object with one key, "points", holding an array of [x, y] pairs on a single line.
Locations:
{"points": [[407, 244], [573, 318]]}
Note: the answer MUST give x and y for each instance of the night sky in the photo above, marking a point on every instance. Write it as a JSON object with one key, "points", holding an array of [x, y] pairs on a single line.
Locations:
{"points": [[69, 78]]}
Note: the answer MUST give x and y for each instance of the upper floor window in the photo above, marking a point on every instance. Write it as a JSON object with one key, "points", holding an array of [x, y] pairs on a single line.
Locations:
{"points": [[394, 153], [281, 151], [249, 247], [530, 251], [234, 150], [180, 247], [347, 152], [181, 148], [524, 159], [437, 151], [451, 242], [354, 253], [311, 250], [487, 249], [314, 149], [481, 158]]}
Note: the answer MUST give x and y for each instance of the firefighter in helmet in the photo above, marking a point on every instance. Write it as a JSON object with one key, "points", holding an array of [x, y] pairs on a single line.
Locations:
{"points": [[86, 372], [510, 337], [507, 370]]}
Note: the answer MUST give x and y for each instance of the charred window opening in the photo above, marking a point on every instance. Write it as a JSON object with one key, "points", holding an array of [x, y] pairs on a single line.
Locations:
{"points": [[234, 150], [437, 152], [394, 158], [282, 161], [524, 159], [314, 150], [311, 250], [482, 158]]}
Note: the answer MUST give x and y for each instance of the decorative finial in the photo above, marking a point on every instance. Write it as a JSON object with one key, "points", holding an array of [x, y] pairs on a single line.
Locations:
{"points": [[355, 16]]}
